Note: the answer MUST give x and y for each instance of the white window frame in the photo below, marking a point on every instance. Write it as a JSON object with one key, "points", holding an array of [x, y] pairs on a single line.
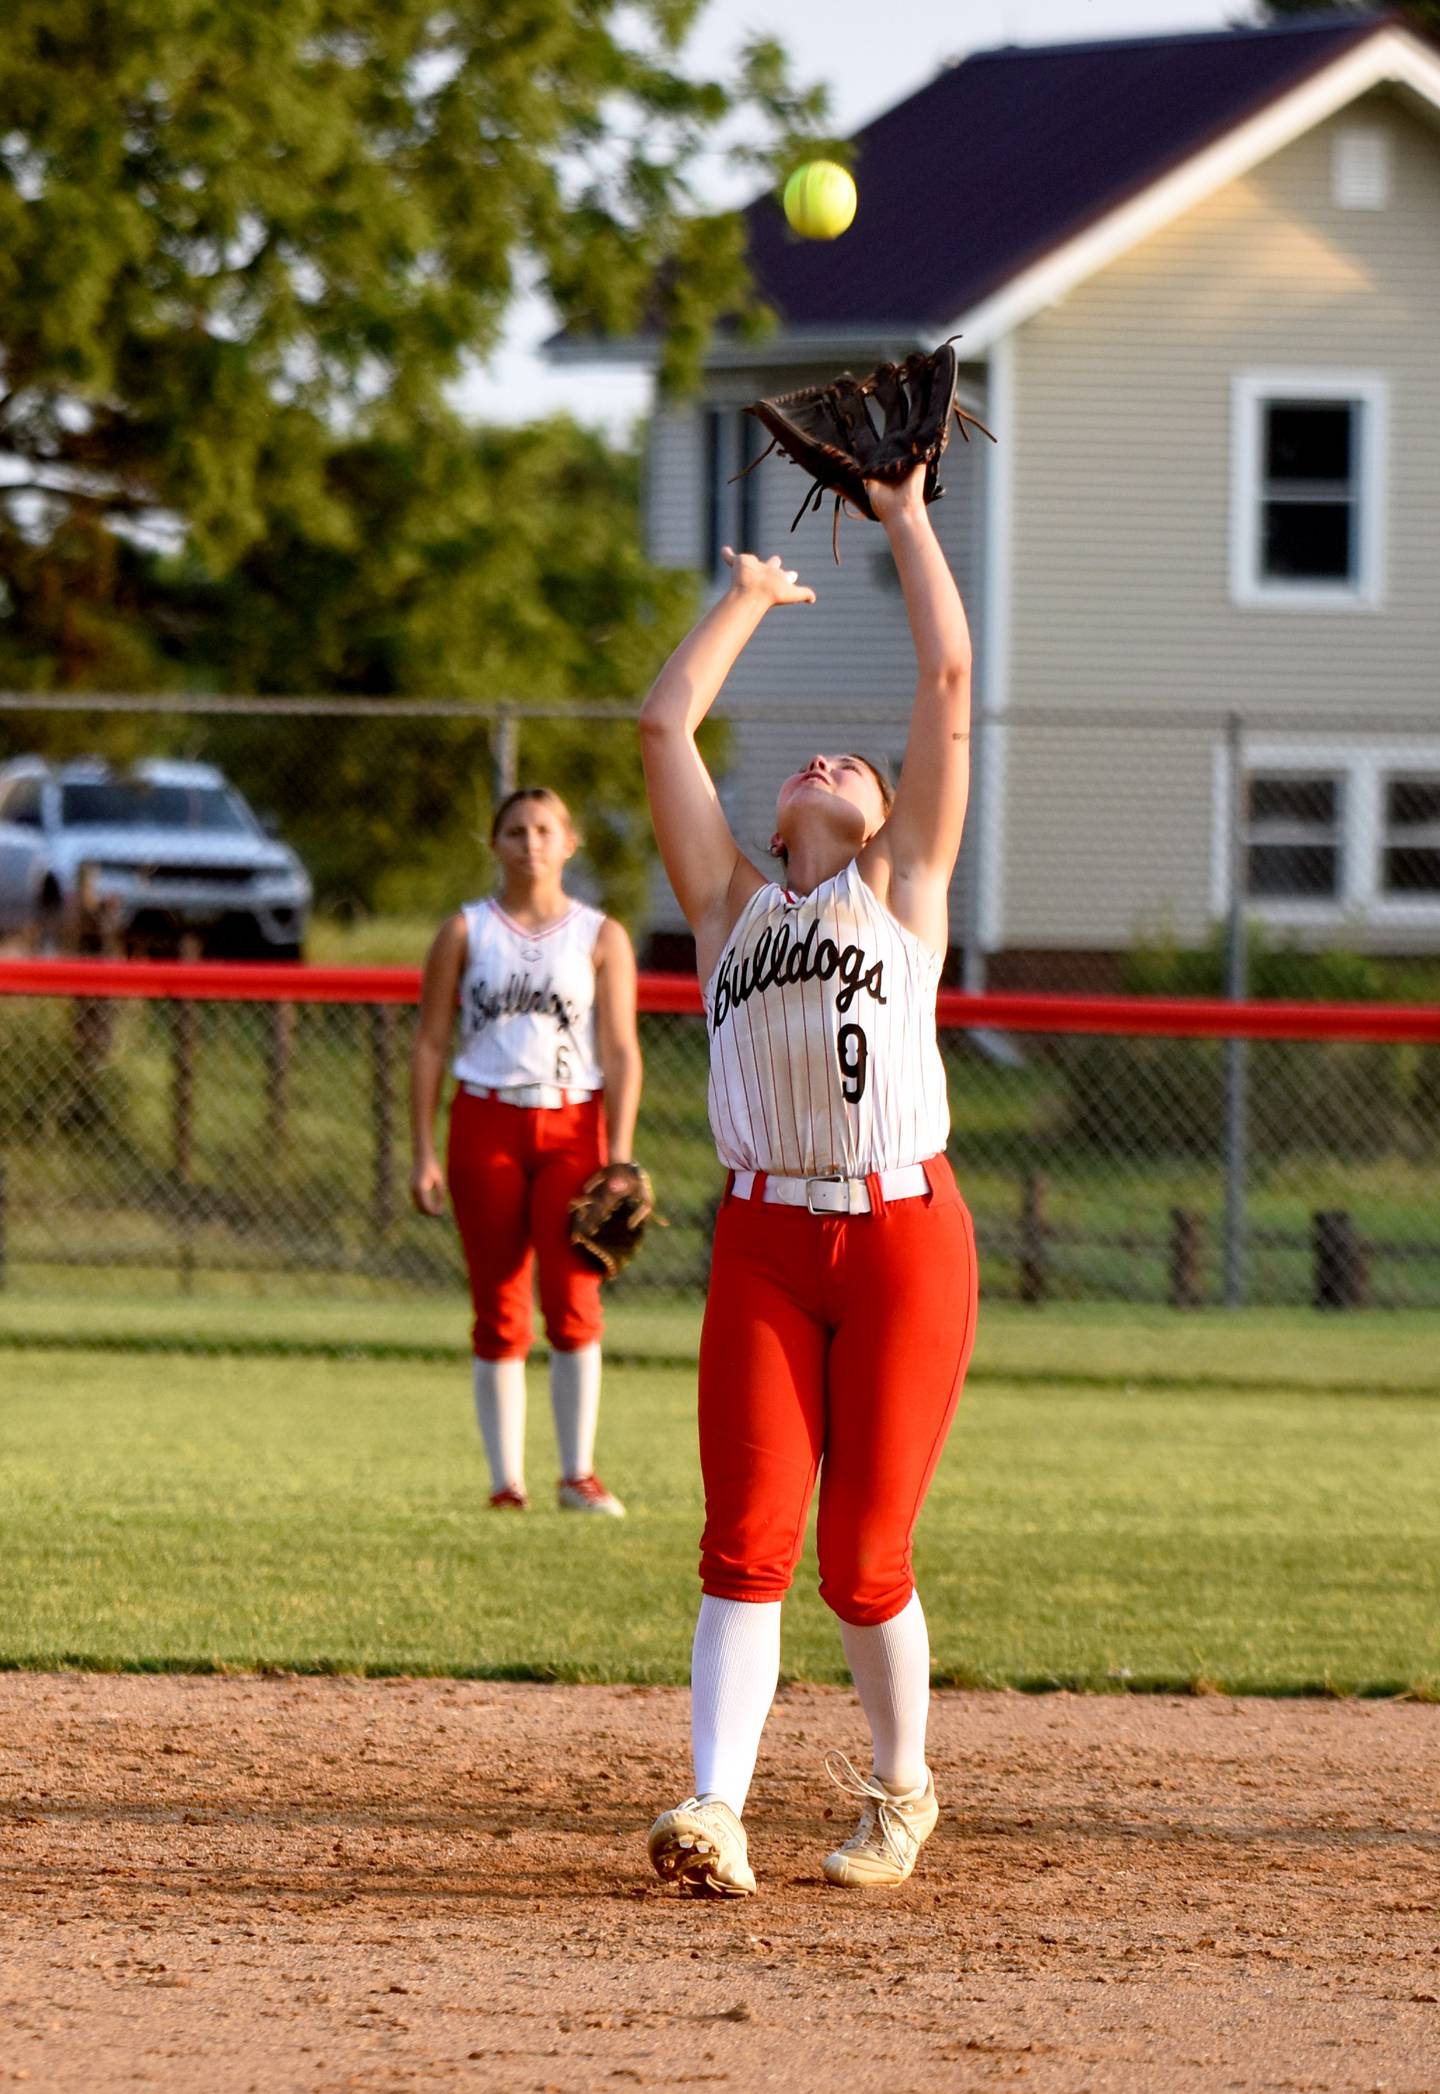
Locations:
{"points": [[1364, 767], [1251, 392]]}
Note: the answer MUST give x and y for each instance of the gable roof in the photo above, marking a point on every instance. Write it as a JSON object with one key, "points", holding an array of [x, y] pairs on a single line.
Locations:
{"points": [[1008, 155], [1017, 173]]}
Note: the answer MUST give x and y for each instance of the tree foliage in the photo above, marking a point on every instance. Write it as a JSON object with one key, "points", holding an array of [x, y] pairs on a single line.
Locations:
{"points": [[246, 249], [507, 565]]}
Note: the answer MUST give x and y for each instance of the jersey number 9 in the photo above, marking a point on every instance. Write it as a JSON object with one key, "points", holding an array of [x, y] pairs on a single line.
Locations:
{"points": [[853, 1051]]}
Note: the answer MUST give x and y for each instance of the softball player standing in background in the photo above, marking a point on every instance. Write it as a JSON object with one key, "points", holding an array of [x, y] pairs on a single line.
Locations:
{"points": [[547, 1087], [841, 1308]]}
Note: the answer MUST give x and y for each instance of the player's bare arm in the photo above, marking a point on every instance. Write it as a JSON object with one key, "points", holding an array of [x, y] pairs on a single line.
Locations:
{"points": [[711, 876], [618, 1037], [910, 863], [438, 989]]}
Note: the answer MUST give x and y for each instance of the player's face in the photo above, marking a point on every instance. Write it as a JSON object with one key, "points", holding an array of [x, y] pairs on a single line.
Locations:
{"points": [[534, 841], [839, 789]]}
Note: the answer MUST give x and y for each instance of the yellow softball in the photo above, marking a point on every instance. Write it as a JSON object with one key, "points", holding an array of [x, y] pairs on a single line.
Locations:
{"points": [[820, 200]]}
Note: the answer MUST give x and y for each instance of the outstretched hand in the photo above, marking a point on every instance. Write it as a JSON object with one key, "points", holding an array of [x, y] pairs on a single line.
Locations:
{"points": [[767, 578]]}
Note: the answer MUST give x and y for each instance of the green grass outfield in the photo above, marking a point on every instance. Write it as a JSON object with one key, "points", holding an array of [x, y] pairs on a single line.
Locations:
{"points": [[1126, 1502], [1069, 1344]]}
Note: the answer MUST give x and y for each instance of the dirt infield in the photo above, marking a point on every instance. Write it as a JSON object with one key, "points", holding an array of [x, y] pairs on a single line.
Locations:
{"points": [[267, 1884]]}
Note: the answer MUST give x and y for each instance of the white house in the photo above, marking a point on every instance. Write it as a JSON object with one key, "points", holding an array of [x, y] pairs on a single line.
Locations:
{"points": [[1198, 284]]}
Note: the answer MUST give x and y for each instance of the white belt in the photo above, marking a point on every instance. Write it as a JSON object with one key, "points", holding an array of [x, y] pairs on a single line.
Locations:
{"points": [[834, 1195], [548, 1096]]}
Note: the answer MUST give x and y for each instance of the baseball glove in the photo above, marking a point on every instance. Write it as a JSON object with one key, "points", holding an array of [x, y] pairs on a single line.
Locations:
{"points": [[609, 1215], [829, 429]]}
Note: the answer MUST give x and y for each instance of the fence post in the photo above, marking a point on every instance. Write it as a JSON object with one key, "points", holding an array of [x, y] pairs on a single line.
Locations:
{"points": [[505, 761], [1236, 1050], [182, 1027], [4, 1217], [1033, 1248], [183, 1131], [1342, 1262], [382, 1040], [277, 1072], [1185, 1288]]}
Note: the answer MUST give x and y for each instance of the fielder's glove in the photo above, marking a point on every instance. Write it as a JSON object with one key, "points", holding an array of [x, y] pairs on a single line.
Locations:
{"points": [[609, 1214], [829, 430]]}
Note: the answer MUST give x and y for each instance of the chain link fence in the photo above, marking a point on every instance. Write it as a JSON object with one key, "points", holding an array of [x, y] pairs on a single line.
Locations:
{"points": [[211, 1153], [1105, 850], [240, 1156]]}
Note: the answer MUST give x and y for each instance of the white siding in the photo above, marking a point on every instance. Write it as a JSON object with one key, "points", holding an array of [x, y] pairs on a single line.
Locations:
{"points": [[1122, 523], [674, 526]]}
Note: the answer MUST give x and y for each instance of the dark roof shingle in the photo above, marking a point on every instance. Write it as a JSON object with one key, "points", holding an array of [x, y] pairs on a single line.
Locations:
{"points": [[1004, 156]]}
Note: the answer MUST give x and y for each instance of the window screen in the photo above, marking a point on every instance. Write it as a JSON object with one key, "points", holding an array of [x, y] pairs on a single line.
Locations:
{"points": [[1292, 837]]}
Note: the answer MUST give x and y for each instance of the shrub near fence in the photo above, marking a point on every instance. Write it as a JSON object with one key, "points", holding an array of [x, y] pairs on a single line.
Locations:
{"points": [[215, 1131]]}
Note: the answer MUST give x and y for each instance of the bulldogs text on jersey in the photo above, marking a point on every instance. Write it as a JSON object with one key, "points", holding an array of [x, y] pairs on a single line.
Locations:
{"points": [[823, 1054], [527, 1000]]}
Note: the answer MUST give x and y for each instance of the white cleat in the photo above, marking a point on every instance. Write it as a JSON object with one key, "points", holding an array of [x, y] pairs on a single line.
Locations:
{"points": [[885, 1846], [702, 1847], [588, 1494]]}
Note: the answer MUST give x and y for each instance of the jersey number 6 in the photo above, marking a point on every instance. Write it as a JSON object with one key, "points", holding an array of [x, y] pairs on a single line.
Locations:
{"points": [[853, 1051]]}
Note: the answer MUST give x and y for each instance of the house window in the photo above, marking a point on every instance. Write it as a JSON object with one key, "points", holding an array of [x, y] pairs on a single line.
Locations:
{"points": [[1310, 495], [732, 440], [714, 432], [1343, 831], [1410, 846], [1294, 837], [1307, 490]]}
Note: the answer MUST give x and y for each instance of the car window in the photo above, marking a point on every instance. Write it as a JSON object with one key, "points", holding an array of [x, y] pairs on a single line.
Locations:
{"points": [[22, 804], [131, 804]]}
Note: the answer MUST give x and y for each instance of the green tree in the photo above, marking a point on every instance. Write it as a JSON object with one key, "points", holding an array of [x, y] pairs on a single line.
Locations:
{"points": [[1423, 14], [507, 564], [246, 249]]}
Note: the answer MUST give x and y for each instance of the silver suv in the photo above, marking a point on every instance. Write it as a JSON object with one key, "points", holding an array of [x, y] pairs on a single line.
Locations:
{"points": [[151, 854]]}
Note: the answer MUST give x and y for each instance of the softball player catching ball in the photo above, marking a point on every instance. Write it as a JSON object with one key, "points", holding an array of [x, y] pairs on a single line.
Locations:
{"points": [[547, 1086], [841, 1309]]}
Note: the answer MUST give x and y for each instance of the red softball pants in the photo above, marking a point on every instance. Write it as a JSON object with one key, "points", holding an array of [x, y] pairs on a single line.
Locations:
{"points": [[513, 1171], [838, 1345]]}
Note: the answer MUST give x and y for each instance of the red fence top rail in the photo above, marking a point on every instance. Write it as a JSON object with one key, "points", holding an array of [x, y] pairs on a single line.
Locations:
{"points": [[1174, 1017]]}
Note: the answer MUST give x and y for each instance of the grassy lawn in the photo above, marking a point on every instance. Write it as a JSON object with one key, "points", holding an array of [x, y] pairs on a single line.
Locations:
{"points": [[1060, 1345], [308, 1513]]}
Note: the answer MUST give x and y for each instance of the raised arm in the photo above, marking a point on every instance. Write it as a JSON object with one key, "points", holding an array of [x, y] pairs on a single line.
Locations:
{"points": [[914, 854], [711, 876]]}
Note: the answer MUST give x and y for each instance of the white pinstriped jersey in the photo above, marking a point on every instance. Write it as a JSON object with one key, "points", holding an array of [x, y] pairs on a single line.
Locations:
{"points": [[527, 1000], [823, 1055]]}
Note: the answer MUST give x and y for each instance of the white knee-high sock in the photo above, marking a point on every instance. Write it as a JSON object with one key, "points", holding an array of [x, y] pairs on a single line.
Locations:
{"points": [[733, 1676], [575, 1402], [500, 1412], [890, 1666]]}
